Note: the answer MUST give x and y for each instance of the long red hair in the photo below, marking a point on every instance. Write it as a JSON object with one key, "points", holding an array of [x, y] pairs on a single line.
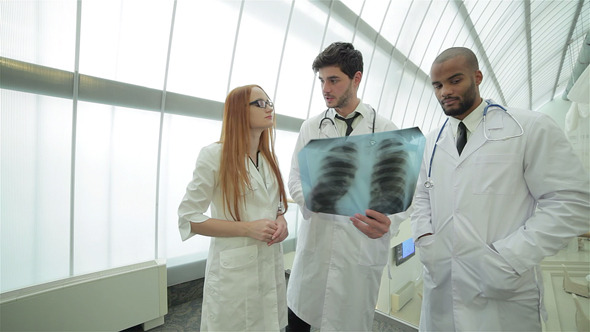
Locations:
{"points": [[235, 140]]}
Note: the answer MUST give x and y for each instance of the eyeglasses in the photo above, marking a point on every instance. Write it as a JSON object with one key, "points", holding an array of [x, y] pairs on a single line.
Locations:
{"points": [[262, 103]]}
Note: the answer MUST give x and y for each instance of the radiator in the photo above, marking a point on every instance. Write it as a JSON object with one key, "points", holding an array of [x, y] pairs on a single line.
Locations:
{"points": [[402, 296], [110, 300]]}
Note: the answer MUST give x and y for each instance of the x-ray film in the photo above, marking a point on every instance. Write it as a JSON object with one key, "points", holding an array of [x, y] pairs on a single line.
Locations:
{"points": [[347, 175]]}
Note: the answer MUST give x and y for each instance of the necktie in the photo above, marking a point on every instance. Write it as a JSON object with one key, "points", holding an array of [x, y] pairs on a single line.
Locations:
{"points": [[348, 122], [461, 137]]}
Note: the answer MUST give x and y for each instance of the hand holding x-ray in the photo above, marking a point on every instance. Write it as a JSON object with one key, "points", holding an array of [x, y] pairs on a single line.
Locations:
{"points": [[347, 175], [374, 224]]}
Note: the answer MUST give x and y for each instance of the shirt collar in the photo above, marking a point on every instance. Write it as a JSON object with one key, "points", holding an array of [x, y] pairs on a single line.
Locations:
{"points": [[471, 121], [360, 108]]}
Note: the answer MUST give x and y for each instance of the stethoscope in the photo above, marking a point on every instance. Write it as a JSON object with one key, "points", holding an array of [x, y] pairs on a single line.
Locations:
{"points": [[429, 184], [333, 124]]}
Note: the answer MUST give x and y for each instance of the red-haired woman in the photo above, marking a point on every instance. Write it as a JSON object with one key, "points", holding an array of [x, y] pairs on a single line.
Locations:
{"points": [[239, 178]]}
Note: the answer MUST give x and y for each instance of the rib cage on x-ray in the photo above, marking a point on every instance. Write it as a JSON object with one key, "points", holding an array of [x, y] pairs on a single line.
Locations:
{"points": [[348, 175], [388, 178], [337, 174]]}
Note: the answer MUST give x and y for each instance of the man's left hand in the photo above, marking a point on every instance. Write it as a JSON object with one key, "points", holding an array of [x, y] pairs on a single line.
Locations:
{"points": [[373, 225]]}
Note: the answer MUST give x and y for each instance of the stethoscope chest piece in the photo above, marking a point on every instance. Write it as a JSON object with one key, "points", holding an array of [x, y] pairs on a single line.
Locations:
{"points": [[428, 184]]}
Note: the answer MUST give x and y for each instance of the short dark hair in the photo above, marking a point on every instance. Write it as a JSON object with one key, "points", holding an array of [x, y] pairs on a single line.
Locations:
{"points": [[342, 55], [452, 52]]}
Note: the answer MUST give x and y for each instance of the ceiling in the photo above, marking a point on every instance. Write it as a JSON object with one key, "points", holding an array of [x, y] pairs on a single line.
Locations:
{"points": [[529, 51]]}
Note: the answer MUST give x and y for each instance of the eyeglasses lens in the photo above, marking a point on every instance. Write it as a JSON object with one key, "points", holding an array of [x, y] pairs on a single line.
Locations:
{"points": [[262, 103]]}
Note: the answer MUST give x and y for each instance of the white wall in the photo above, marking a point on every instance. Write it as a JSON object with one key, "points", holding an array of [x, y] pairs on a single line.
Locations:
{"points": [[557, 109]]}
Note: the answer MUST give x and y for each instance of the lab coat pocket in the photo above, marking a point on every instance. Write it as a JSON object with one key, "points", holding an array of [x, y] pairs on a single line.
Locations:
{"points": [[307, 234], [374, 252], [230, 290], [239, 258], [498, 174], [426, 249], [499, 281]]}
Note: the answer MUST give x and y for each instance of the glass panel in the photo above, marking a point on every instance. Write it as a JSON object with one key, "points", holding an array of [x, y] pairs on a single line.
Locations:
{"points": [[551, 29], [200, 63], [259, 46], [183, 139], [440, 19], [401, 102], [116, 164], [434, 116], [570, 60], [132, 47], [366, 47], [391, 90], [411, 26], [418, 103], [35, 193], [302, 46], [338, 30], [489, 90], [396, 17], [284, 146], [354, 5], [374, 12], [48, 27], [424, 18], [491, 22], [373, 81]]}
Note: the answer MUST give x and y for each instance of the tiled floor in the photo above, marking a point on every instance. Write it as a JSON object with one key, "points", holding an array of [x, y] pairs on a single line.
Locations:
{"points": [[184, 312]]}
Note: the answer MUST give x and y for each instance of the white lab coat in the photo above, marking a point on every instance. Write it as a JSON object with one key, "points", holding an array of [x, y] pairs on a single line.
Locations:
{"points": [[245, 278], [337, 270], [495, 212]]}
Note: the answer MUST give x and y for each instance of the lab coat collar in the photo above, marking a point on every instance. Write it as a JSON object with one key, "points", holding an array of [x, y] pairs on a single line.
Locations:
{"points": [[471, 121], [261, 176], [366, 118], [474, 140], [360, 108]]}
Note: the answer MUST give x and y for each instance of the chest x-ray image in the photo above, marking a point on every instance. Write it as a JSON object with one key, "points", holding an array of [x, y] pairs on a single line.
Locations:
{"points": [[347, 175]]}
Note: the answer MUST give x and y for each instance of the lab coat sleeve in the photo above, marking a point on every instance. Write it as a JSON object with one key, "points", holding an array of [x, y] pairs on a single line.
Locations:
{"points": [[295, 189], [397, 219], [421, 212], [199, 192], [558, 182], [387, 125]]}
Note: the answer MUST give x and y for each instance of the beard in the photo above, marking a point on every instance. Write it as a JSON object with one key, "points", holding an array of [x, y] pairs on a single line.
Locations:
{"points": [[465, 103], [344, 100]]}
